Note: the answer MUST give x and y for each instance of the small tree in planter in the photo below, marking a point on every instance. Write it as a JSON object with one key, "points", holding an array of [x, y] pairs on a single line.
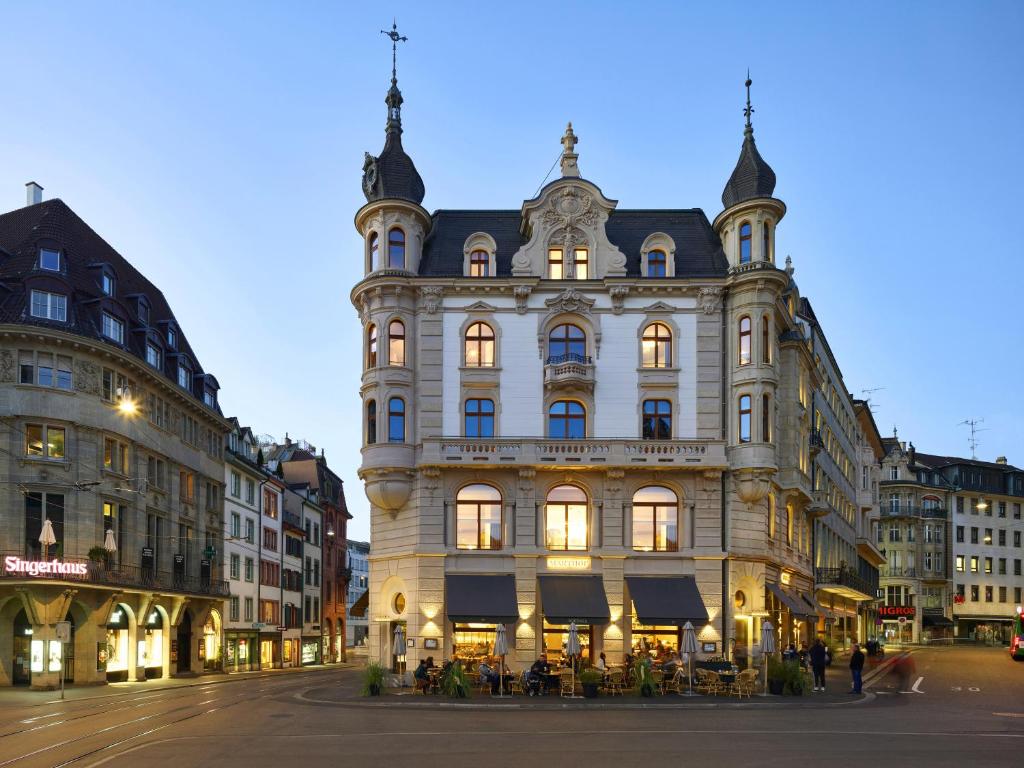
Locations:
{"points": [[373, 679], [454, 682], [643, 677], [98, 557], [777, 676], [794, 678], [591, 679]]}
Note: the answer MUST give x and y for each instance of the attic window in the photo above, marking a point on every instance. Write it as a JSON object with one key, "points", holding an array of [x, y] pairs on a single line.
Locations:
{"points": [[143, 311], [107, 284], [210, 398], [172, 338], [49, 259], [479, 264]]}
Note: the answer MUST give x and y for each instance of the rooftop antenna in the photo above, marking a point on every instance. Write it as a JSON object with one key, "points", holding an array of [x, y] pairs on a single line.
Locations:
{"points": [[973, 441], [867, 396]]}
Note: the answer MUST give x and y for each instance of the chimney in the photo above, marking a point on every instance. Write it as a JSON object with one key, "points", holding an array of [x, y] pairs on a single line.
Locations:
{"points": [[33, 194], [1000, 459]]}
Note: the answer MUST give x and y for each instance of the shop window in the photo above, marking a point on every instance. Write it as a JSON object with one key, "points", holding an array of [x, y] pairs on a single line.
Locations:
{"points": [[655, 520], [565, 518], [478, 517]]}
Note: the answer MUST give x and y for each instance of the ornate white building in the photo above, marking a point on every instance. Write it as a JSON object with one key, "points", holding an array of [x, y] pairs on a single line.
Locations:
{"points": [[575, 412]]}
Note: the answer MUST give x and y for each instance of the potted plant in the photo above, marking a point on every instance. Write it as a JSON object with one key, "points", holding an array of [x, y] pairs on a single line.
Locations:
{"points": [[590, 679], [794, 678], [373, 679], [643, 677], [777, 676], [454, 682], [97, 557]]}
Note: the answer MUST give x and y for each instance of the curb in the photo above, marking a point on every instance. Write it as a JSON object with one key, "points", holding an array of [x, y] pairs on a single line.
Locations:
{"points": [[887, 663]]}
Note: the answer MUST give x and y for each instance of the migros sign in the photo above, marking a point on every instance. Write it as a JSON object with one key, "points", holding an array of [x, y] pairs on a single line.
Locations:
{"points": [[895, 611], [14, 564]]}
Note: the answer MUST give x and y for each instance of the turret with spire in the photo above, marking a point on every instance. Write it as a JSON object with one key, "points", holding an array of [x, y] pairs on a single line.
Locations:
{"points": [[752, 177], [392, 174]]}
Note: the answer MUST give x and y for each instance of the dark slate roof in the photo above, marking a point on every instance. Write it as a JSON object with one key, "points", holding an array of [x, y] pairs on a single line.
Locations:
{"points": [[935, 461], [83, 250], [751, 178], [397, 177], [698, 249]]}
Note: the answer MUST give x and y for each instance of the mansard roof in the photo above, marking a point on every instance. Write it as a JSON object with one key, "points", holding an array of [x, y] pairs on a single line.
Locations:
{"points": [[53, 224], [699, 251]]}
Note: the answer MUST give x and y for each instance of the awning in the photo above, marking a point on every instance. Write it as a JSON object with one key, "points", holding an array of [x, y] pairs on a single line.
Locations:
{"points": [[360, 605], [667, 600], [817, 609], [796, 606], [565, 599], [487, 599], [936, 621]]}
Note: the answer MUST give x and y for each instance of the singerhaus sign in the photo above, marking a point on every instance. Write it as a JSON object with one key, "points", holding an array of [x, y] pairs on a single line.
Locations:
{"points": [[53, 567]]}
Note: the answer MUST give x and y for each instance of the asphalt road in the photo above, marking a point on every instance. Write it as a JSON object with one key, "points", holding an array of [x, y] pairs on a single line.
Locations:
{"points": [[966, 706]]}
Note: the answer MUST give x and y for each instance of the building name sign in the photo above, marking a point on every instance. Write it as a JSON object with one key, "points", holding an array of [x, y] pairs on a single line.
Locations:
{"points": [[896, 611], [13, 564], [568, 563]]}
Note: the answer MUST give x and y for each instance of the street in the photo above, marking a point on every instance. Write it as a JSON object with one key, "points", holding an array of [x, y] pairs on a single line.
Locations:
{"points": [[966, 707]]}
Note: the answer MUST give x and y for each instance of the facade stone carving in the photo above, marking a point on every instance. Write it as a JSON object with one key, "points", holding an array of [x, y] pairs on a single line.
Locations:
{"points": [[618, 294], [521, 294], [6, 366], [87, 377], [431, 295], [710, 299]]}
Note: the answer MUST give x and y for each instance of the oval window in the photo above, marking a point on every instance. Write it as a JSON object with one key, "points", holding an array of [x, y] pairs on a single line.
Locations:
{"points": [[399, 603], [740, 599]]}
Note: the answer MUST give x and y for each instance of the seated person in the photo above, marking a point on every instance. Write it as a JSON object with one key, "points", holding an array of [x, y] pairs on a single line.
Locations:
{"points": [[489, 674], [541, 672], [602, 662], [421, 676]]}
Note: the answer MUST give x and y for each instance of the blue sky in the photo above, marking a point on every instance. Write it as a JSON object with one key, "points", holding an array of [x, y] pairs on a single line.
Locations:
{"points": [[219, 146]]}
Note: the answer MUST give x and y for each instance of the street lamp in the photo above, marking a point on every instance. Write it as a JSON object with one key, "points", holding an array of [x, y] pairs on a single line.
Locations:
{"points": [[125, 404], [982, 504], [330, 530]]}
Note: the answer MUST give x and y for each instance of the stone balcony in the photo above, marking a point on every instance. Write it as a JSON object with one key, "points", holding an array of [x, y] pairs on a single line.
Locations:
{"points": [[562, 453], [570, 371]]}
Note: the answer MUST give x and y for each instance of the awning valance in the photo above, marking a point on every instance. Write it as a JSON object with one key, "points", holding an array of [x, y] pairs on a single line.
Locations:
{"points": [[565, 599], [667, 600], [817, 609], [360, 605], [936, 621], [795, 605], [483, 598]]}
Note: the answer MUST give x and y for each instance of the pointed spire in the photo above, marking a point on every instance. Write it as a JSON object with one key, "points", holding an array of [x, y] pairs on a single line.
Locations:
{"points": [[569, 156], [752, 177], [394, 97]]}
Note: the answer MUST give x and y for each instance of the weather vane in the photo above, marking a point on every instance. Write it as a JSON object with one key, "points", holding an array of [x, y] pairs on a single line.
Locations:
{"points": [[749, 110], [395, 40]]}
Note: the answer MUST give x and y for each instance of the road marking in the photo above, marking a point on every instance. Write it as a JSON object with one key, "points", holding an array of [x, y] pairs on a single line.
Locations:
{"points": [[915, 688], [42, 717], [208, 701], [1008, 714], [973, 689]]}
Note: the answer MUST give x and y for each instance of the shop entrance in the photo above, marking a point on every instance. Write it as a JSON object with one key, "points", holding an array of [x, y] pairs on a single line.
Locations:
{"points": [[21, 672], [117, 645], [185, 643]]}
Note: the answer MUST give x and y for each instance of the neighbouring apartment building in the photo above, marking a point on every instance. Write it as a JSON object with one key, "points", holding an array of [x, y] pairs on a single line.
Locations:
{"points": [[111, 465], [623, 419], [357, 599], [951, 528]]}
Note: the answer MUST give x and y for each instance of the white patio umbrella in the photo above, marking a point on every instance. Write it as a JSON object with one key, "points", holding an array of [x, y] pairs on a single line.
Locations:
{"points": [[109, 542], [47, 537], [572, 649], [689, 647], [500, 649], [767, 648], [398, 648]]}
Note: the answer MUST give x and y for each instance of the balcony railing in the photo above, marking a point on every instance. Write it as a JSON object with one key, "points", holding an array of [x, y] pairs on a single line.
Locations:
{"points": [[569, 370], [571, 357], [901, 571], [816, 444], [927, 513], [611, 452], [842, 577], [124, 576]]}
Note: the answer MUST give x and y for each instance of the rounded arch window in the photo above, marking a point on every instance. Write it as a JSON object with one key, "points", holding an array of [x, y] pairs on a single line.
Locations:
{"points": [[766, 242], [655, 519], [656, 346], [374, 246], [398, 603], [371, 346], [396, 420], [565, 518], [478, 517], [567, 420], [479, 264], [657, 264], [396, 343], [371, 422], [744, 341], [745, 242], [566, 343], [479, 346], [396, 248]]}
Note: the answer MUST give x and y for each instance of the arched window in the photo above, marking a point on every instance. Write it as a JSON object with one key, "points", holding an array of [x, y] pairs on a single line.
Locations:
{"points": [[479, 418], [580, 266], [772, 512], [371, 346], [567, 343], [789, 524], [565, 518], [745, 242], [479, 264], [396, 420], [657, 264], [655, 520], [567, 420], [396, 249], [478, 517], [555, 264], [766, 243], [657, 420], [396, 343], [656, 346], [374, 252], [766, 418], [479, 346], [766, 341], [744, 414], [744, 341], [371, 422]]}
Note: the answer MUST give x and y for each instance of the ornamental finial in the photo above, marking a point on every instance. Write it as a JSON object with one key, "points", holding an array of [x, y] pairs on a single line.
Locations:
{"points": [[749, 109]]}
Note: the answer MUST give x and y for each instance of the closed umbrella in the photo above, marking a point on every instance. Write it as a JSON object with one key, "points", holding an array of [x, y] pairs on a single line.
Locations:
{"points": [[398, 648], [767, 648], [572, 649], [500, 649], [47, 537], [689, 648]]}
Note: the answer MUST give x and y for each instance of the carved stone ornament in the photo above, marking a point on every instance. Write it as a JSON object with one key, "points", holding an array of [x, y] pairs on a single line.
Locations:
{"points": [[570, 300], [431, 295], [431, 474], [618, 295], [6, 365], [710, 299], [369, 174], [571, 208], [87, 377], [521, 293]]}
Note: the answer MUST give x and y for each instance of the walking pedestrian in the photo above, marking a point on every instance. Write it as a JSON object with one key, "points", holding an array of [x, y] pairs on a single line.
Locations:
{"points": [[856, 667], [818, 654]]}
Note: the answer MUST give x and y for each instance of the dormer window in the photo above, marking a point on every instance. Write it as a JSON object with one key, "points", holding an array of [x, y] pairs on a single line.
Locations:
{"points": [[657, 264], [479, 264], [210, 398], [107, 284], [113, 328], [49, 306], [555, 264], [184, 376], [143, 311], [172, 338], [580, 264], [153, 355], [49, 259]]}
